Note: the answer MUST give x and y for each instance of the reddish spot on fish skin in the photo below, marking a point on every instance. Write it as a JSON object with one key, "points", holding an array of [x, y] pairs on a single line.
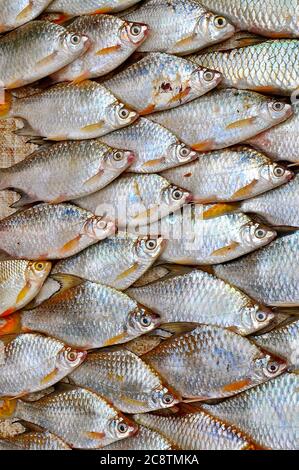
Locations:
{"points": [[7, 312]]}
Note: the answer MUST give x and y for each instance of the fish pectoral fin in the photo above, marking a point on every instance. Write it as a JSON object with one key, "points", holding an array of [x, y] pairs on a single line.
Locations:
{"points": [[182, 42], [148, 110], [94, 179], [246, 191], [23, 293], [204, 145], [241, 123], [47, 60], [49, 377], [131, 270], [70, 246], [108, 50], [101, 11], [25, 12], [225, 249], [181, 95], [93, 127], [95, 435], [217, 210], [61, 18], [8, 312], [116, 339], [153, 162], [234, 387]]}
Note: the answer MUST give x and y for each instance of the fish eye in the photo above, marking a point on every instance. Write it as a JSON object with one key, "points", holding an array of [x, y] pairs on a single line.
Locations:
{"points": [[167, 399], [75, 39], [123, 113], [272, 367], [145, 321], [260, 233], [279, 171], [71, 356], [184, 152], [122, 428], [208, 76], [177, 194], [135, 30], [278, 106], [261, 316], [118, 156], [102, 224], [151, 244], [220, 22], [39, 266]]}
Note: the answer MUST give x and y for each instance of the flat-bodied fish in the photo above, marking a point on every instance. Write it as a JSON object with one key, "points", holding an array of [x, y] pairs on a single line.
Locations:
{"points": [[267, 413], [270, 275], [274, 18], [64, 171], [49, 231], [32, 362], [267, 67], [33, 441], [281, 142], [136, 199], [223, 118], [15, 13], [161, 81], [85, 315], [229, 175], [81, 418], [36, 50], [125, 380], [212, 362], [68, 111], [116, 261], [199, 297], [145, 439], [154, 146], [20, 282], [196, 235], [180, 26], [112, 39]]}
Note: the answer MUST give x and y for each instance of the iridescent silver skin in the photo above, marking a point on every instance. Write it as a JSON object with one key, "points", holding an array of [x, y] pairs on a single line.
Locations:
{"points": [[267, 413], [161, 81], [223, 118], [199, 297], [15, 13], [180, 26], [33, 441], [36, 50], [145, 439], [270, 275], [71, 8]]}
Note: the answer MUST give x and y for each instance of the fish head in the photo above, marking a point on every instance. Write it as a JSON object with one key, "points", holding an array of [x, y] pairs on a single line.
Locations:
{"points": [[268, 366], [99, 227], [204, 80], [253, 318], [140, 321], [255, 235], [163, 397], [274, 111], [74, 44], [37, 272], [134, 33], [214, 28], [180, 153], [121, 427], [148, 249], [118, 115], [275, 173], [69, 358], [174, 197], [117, 160]]}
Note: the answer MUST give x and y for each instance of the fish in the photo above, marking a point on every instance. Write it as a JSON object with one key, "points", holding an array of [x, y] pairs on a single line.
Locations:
{"points": [[201, 235], [155, 147], [70, 8], [124, 380], [36, 50], [211, 362], [33, 441], [229, 175], [85, 315], [136, 199], [252, 67], [161, 81], [68, 111], [145, 439], [32, 362], [283, 341], [268, 413], [116, 261], [270, 275], [199, 297], [86, 420], [274, 19], [49, 173], [15, 13], [196, 430], [60, 230], [280, 142], [180, 26], [20, 282], [112, 39], [223, 118]]}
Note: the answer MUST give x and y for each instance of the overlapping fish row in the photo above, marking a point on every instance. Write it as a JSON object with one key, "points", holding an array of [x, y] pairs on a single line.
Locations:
{"points": [[149, 280]]}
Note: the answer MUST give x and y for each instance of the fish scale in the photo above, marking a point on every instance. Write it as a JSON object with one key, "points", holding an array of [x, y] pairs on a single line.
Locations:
{"points": [[33, 441], [145, 439], [75, 7], [14, 13]]}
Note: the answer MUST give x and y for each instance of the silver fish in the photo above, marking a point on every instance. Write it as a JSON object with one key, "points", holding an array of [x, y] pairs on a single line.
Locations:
{"points": [[145, 439], [71, 8], [33, 441]]}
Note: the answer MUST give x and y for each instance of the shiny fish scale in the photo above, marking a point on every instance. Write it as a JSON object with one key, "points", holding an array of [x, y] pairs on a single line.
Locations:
{"points": [[145, 439], [281, 142], [105, 262], [198, 431], [198, 297], [278, 207], [269, 275], [75, 7], [269, 65], [33, 441], [268, 413], [283, 341], [12, 12], [272, 18]]}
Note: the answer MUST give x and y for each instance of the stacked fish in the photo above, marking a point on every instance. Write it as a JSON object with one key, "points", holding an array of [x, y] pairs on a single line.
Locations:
{"points": [[149, 276]]}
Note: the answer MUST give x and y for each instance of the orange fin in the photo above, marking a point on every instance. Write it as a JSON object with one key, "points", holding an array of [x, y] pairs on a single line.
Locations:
{"points": [[25, 12], [236, 386], [7, 408], [148, 110], [128, 271], [93, 127], [46, 60], [50, 377], [61, 18], [226, 249], [115, 340], [267, 89], [183, 41], [246, 191], [101, 11], [6, 106], [241, 123], [81, 78], [8, 312], [180, 96], [154, 162], [10, 325], [219, 209], [70, 246], [95, 435], [204, 145], [23, 293], [108, 50]]}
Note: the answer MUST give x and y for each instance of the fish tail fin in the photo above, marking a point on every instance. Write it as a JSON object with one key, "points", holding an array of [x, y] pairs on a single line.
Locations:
{"points": [[7, 408], [4, 183], [6, 104], [11, 324]]}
